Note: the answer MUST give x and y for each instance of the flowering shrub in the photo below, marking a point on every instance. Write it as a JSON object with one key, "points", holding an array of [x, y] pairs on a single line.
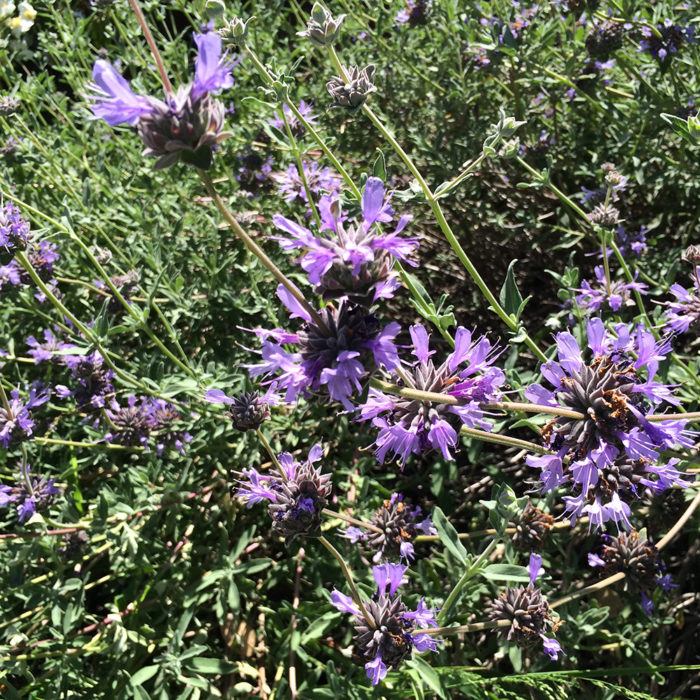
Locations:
{"points": [[394, 393]]}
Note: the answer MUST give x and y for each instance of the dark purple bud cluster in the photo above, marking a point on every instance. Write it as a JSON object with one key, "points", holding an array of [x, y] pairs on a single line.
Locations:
{"points": [[14, 231], [531, 527], [353, 94], [604, 40], [527, 612], [415, 13], [30, 494], [125, 284], [16, 422], [399, 524]]}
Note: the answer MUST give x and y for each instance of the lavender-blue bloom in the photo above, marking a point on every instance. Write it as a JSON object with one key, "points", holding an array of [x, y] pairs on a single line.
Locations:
{"points": [[318, 180], [9, 275], [16, 422], [684, 313], [391, 636], [14, 230], [295, 125], [670, 39], [29, 501], [610, 454], [162, 418], [409, 426], [93, 381], [212, 72], [50, 350], [129, 425], [595, 295], [295, 500], [355, 260], [113, 98], [336, 358], [416, 12]]}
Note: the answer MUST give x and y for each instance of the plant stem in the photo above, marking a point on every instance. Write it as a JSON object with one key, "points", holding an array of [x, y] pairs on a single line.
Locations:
{"points": [[256, 250], [272, 454], [353, 521], [504, 440], [151, 45], [348, 577], [471, 571]]}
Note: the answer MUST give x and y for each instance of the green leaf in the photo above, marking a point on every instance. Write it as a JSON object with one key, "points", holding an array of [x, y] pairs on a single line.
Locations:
{"points": [[448, 535], [506, 572], [428, 675], [204, 664], [510, 297], [144, 674], [379, 169]]}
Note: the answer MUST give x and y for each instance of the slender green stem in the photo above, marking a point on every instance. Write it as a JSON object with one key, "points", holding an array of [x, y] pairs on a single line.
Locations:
{"points": [[151, 45], [351, 520], [99, 445], [300, 168], [510, 321], [473, 627], [469, 573], [256, 250], [348, 577], [606, 262], [273, 456], [24, 468], [6, 402], [503, 440]]}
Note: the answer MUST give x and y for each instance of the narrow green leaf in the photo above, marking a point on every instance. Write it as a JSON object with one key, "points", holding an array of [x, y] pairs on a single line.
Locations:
{"points": [[448, 535]]}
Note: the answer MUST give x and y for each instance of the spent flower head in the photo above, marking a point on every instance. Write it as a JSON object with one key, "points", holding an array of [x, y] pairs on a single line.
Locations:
{"points": [[352, 95], [322, 28]]}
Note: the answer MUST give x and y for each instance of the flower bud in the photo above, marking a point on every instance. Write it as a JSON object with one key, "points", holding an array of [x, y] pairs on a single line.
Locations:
{"points": [[235, 31], [352, 95], [322, 28]]}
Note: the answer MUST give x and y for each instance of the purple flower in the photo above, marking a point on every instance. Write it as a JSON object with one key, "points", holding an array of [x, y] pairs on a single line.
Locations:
{"points": [[334, 358], [295, 125], [611, 454], [409, 426], [594, 296], [129, 424], [114, 100], [162, 417], [291, 187], [354, 260], [212, 72], [9, 275], [385, 631], [415, 13], [14, 230], [50, 350], [684, 313], [93, 382], [670, 39], [16, 420], [295, 501], [32, 493]]}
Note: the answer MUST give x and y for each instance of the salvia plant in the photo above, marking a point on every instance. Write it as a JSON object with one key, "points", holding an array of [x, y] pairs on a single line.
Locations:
{"points": [[349, 349]]}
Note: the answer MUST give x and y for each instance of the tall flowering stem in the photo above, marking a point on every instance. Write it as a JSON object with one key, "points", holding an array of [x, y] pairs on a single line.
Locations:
{"points": [[152, 45], [256, 250], [511, 322]]}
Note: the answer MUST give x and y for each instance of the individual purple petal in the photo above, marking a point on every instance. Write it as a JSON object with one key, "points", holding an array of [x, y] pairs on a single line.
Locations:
{"points": [[212, 71], [373, 207], [295, 308], [423, 616], [569, 352], [424, 642], [421, 339], [217, 396], [389, 574], [376, 669], [552, 648], [442, 436], [595, 560], [647, 605], [114, 100], [534, 567], [343, 602]]}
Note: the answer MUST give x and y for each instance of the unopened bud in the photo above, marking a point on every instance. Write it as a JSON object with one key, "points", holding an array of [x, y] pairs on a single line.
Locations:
{"points": [[352, 95], [235, 31], [322, 28]]}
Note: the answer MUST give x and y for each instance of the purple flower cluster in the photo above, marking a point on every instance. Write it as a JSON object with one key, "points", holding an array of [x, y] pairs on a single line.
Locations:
{"points": [[30, 495], [410, 426], [597, 295], [13, 229], [143, 417], [414, 13], [385, 628], [296, 497], [16, 422], [671, 38], [334, 356], [611, 453], [254, 172], [295, 125], [631, 243], [683, 314], [51, 350], [319, 180], [92, 381], [397, 525], [353, 260], [187, 125]]}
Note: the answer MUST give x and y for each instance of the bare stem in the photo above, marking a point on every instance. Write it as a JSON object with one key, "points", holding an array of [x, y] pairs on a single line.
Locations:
{"points": [[151, 45]]}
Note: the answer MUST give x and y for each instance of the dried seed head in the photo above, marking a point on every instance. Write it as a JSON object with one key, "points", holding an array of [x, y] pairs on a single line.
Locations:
{"points": [[637, 558], [531, 528], [248, 411], [604, 215], [692, 255], [352, 95], [528, 614], [605, 40]]}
